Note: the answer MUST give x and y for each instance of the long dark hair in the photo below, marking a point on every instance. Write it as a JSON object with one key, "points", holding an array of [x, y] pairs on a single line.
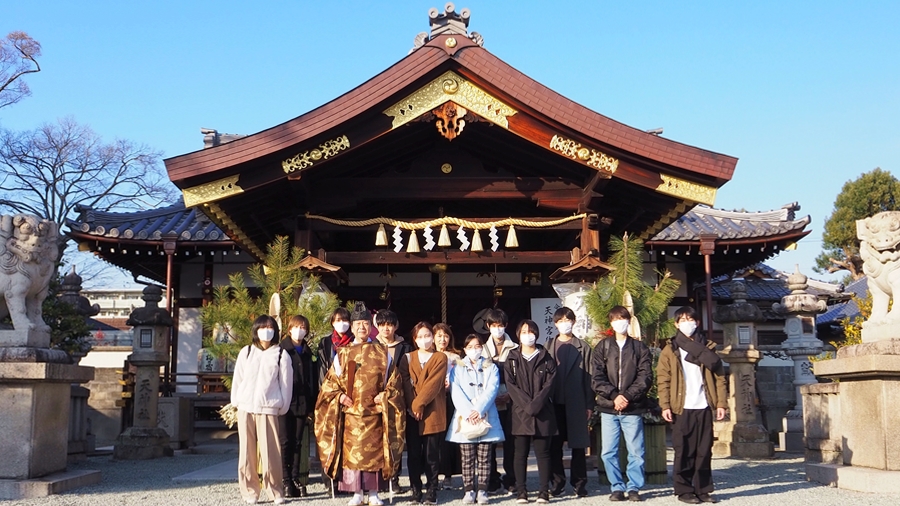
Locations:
{"points": [[451, 345], [263, 321]]}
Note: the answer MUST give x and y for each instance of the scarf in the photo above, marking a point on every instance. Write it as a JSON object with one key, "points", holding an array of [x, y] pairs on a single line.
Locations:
{"points": [[697, 352], [338, 340]]}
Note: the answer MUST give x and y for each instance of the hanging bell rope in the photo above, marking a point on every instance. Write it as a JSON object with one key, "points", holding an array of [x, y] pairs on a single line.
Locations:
{"points": [[447, 220]]}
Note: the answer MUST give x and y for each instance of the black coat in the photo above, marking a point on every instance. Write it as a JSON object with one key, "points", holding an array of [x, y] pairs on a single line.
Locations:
{"points": [[530, 384], [631, 377], [306, 384]]}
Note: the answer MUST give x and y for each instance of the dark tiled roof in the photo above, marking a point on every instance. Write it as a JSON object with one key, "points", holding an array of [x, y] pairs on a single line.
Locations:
{"points": [[849, 309], [189, 224], [733, 224], [766, 284]]}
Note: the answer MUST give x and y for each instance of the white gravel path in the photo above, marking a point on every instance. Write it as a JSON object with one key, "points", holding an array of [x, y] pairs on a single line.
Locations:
{"points": [[777, 482]]}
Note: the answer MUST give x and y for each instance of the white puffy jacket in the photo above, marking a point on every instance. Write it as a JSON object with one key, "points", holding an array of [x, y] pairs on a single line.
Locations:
{"points": [[262, 381]]}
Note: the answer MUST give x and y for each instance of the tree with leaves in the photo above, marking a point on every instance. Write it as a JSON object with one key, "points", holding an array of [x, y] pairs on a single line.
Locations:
{"points": [[234, 307], [54, 170], [871, 193], [18, 58], [650, 302]]}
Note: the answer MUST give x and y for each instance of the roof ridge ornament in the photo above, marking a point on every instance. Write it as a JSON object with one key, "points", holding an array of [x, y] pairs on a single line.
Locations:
{"points": [[448, 22]]}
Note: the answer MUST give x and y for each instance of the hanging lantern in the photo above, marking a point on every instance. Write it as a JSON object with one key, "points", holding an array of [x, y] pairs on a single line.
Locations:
{"points": [[381, 237], [476, 241], [444, 238], [413, 246], [511, 240]]}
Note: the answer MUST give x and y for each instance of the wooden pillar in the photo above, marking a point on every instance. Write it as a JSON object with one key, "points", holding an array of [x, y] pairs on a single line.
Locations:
{"points": [[707, 249]]}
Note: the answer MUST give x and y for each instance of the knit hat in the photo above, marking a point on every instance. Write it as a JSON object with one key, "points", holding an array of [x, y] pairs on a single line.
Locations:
{"points": [[360, 312]]}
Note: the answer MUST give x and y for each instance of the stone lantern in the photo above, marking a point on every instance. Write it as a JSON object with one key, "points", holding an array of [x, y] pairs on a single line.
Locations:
{"points": [[743, 435], [151, 323], [800, 309]]}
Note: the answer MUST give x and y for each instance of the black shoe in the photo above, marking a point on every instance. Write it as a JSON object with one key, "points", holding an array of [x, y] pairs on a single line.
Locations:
{"points": [[617, 496], [634, 496], [493, 487], [395, 484], [557, 491], [582, 492], [301, 488], [707, 498], [416, 495], [431, 496], [689, 498], [522, 499], [543, 498], [290, 490]]}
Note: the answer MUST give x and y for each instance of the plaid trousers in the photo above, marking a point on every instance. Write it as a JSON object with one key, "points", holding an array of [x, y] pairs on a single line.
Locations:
{"points": [[476, 457]]}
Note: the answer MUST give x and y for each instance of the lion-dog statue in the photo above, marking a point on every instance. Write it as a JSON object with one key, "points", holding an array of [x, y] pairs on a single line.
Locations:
{"points": [[28, 251], [879, 236]]}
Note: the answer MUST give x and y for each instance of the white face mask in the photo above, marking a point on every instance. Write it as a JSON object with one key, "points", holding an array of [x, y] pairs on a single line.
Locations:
{"points": [[298, 333], [497, 332], [473, 354], [265, 334], [565, 328], [341, 327], [687, 328], [528, 339], [620, 326], [425, 343]]}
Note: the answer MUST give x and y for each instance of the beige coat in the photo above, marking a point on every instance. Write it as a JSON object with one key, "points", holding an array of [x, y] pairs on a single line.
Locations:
{"points": [[425, 392]]}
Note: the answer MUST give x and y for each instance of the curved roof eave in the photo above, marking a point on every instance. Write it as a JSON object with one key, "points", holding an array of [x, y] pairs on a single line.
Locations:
{"points": [[474, 62]]}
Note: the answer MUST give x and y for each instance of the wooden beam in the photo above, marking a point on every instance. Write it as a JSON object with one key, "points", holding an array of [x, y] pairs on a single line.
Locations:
{"points": [[449, 257], [436, 188]]}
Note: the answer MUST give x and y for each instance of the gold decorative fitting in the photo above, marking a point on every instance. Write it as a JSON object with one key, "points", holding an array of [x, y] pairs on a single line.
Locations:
{"points": [[449, 86], [209, 192], [450, 42], [591, 157], [689, 190], [307, 158], [446, 168], [450, 122]]}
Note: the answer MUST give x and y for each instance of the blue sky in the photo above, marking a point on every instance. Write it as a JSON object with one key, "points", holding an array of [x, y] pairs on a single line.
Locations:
{"points": [[805, 93]]}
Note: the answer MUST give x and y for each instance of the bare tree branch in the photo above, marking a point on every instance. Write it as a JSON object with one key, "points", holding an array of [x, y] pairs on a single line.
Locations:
{"points": [[60, 166], [18, 57]]}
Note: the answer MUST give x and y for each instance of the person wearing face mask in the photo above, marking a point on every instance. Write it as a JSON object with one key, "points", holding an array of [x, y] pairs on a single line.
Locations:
{"points": [[622, 374], [497, 348], [691, 384], [530, 372], [474, 383], [328, 346], [427, 406], [360, 415], [295, 455], [386, 323], [450, 459], [573, 403], [261, 391]]}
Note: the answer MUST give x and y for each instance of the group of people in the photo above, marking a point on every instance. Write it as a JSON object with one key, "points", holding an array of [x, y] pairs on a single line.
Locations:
{"points": [[375, 394]]}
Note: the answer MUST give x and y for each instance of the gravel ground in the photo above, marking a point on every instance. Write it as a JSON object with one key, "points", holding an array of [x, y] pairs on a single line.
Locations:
{"points": [[780, 481]]}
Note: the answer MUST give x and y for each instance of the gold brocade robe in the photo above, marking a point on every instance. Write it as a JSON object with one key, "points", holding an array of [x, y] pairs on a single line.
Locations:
{"points": [[366, 436]]}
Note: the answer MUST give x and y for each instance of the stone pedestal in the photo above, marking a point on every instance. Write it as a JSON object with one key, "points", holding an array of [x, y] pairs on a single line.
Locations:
{"points": [[145, 439], [743, 434], [864, 419]]}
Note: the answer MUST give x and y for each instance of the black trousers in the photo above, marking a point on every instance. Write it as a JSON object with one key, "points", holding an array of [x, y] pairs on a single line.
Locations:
{"points": [[578, 467], [692, 439], [541, 452], [291, 438], [423, 455], [509, 453]]}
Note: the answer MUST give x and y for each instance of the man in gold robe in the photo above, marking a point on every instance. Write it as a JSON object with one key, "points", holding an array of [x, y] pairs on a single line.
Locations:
{"points": [[360, 415]]}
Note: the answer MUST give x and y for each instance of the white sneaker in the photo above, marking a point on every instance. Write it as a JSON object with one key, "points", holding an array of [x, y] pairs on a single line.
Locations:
{"points": [[482, 497], [374, 500], [469, 498], [356, 500], [279, 500]]}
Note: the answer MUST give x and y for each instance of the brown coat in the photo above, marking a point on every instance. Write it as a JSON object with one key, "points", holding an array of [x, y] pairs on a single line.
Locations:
{"points": [[670, 381], [425, 391]]}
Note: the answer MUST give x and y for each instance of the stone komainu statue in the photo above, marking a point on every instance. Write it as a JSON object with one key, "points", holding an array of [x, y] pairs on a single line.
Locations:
{"points": [[879, 236], [28, 251]]}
